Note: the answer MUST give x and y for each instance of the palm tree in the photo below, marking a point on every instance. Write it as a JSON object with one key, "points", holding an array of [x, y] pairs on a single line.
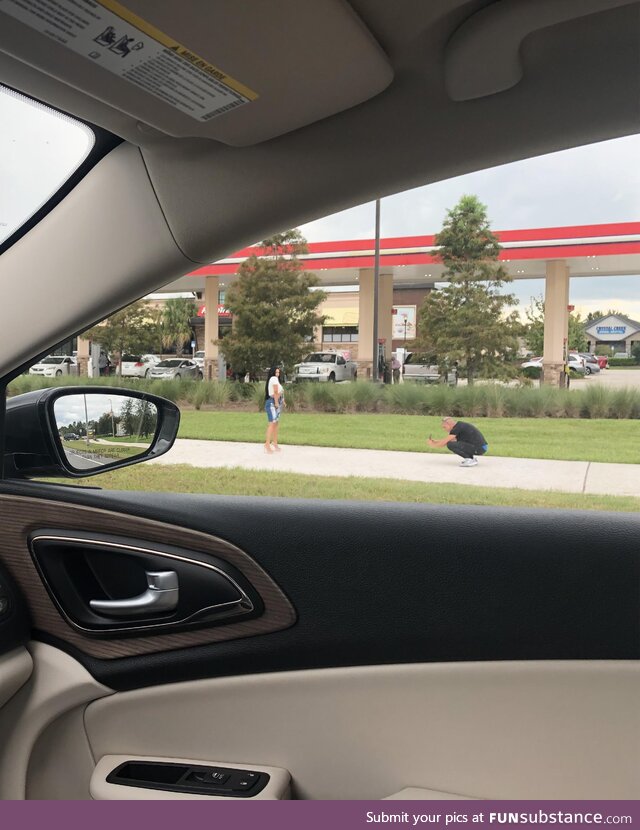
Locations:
{"points": [[176, 327]]}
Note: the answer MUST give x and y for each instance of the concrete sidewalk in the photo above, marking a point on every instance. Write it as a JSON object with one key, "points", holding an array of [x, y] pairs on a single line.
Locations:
{"points": [[492, 471]]}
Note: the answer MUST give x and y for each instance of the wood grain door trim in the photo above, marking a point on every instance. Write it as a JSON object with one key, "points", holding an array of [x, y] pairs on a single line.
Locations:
{"points": [[21, 516]]}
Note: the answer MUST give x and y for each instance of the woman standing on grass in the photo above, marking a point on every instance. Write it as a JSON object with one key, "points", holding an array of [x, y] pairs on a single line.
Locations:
{"points": [[273, 403]]}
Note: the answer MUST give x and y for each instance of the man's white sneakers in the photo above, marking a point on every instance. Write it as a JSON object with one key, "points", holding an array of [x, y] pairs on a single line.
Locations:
{"points": [[468, 462]]}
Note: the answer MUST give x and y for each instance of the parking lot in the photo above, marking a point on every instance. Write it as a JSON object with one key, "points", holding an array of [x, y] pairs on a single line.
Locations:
{"points": [[611, 379]]}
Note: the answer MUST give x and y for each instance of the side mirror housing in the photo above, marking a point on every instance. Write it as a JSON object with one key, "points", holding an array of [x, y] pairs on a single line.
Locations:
{"points": [[82, 431]]}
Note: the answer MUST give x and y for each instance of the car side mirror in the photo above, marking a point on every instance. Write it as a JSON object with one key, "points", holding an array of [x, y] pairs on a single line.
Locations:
{"points": [[82, 431]]}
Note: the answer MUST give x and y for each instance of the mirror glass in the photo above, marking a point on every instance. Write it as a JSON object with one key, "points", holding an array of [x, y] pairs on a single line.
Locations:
{"points": [[98, 429]]}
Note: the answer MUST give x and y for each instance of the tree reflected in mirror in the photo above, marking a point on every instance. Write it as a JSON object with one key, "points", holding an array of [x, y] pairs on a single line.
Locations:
{"points": [[97, 430]]}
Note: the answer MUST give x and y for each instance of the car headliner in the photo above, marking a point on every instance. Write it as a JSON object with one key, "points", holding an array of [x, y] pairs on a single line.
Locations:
{"points": [[457, 86]]}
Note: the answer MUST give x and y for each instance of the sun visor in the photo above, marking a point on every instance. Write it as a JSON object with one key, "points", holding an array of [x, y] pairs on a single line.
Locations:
{"points": [[237, 72]]}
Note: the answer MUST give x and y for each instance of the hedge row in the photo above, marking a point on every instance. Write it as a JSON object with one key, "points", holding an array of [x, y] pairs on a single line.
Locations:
{"points": [[491, 400]]}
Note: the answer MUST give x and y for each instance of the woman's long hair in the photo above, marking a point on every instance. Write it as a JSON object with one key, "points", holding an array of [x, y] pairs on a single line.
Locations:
{"points": [[272, 374]]}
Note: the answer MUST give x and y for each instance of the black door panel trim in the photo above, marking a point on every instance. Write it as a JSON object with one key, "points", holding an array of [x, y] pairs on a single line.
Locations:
{"points": [[377, 583]]}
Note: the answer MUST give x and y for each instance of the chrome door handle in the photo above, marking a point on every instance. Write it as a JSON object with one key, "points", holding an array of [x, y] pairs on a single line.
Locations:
{"points": [[161, 595]]}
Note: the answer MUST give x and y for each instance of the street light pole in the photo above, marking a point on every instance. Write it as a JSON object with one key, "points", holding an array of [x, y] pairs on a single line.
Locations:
{"points": [[375, 374]]}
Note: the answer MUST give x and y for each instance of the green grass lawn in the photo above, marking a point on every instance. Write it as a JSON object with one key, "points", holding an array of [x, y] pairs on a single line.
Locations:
{"points": [[237, 482], [555, 438]]}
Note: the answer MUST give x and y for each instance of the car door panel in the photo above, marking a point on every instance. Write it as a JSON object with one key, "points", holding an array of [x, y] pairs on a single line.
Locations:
{"points": [[369, 732], [410, 639]]}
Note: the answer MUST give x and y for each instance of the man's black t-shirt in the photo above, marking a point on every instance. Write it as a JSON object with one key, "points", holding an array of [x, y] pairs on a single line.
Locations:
{"points": [[469, 434]]}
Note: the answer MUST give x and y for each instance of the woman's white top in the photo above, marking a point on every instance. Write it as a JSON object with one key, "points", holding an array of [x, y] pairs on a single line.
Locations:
{"points": [[275, 387]]}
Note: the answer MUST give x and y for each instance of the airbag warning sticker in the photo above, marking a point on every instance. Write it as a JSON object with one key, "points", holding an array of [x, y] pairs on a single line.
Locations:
{"points": [[124, 44]]}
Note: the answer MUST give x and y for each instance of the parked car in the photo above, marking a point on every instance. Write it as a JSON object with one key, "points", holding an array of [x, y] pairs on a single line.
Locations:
{"points": [[591, 365], [199, 359], [323, 367], [576, 364], [176, 368], [603, 361], [138, 366], [54, 366]]}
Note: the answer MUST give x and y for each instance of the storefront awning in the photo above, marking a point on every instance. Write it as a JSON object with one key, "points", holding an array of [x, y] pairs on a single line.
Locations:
{"points": [[341, 316]]}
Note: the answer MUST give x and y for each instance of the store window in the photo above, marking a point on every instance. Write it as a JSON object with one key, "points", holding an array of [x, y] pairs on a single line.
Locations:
{"points": [[340, 334]]}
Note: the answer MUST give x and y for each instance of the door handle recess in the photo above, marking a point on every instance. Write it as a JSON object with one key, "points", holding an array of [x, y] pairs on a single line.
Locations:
{"points": [[161, 596]]}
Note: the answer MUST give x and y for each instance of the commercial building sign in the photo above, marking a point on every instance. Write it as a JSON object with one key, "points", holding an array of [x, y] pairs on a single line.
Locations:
{"points": [[404, 322], [222, 311], [611, 330]]}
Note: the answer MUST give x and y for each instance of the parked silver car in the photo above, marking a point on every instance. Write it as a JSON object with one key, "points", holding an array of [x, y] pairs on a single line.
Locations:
{"points": [[176, 368], [591, 363], [576, 364]]}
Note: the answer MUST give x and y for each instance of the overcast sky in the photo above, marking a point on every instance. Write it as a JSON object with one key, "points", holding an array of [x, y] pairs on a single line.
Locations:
{"points": [[39, 149], [594, 184]]}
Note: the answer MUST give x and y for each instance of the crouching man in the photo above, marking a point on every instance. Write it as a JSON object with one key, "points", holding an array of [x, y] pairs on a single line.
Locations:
{"points": [[463, 439]]}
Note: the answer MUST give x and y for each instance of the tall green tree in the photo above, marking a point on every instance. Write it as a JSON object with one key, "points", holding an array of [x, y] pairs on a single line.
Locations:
{"points": [[176, 327], [274, 310], [597, 315], [467, 322], [128, 331], [534, 329]]}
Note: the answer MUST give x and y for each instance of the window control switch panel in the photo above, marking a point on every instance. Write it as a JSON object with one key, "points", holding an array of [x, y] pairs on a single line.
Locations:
{"points": [[189, 778]]}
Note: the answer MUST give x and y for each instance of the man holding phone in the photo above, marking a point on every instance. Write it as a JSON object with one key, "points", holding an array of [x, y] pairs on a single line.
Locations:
{"points": [[462, 439]]}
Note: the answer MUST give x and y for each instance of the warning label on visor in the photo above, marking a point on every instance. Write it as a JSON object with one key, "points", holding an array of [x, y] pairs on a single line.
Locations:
{"points": [[119, 41]]}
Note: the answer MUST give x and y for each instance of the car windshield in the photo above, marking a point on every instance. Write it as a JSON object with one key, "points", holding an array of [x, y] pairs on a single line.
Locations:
{"points": [[49, 360], [169, 364], [129, 358], [39, 145], [318, 357]]}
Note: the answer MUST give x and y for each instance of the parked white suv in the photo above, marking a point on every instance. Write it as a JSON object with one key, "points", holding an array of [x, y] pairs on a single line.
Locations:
{"points": [[326, 367]]}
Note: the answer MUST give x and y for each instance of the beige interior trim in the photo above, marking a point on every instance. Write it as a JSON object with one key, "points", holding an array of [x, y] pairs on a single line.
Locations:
{"points": [[277, 789], [61, 763], [105, 244], [538, 730], [498, 30], [57, 685], [15, 668]]}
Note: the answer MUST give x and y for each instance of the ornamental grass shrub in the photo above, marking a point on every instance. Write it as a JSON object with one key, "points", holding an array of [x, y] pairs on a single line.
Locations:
{"points": [[492, 400]]}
